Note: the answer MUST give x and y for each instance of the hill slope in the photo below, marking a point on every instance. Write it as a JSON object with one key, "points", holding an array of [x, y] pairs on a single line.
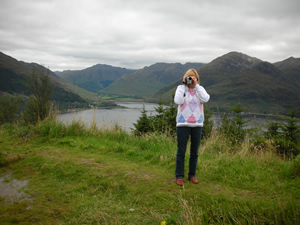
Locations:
{"points": [[231, 78], [263, 89], [291, 68], [224, 66], [261, 86], [15, 75], [214, 72], [147, 81], [96, 77]]}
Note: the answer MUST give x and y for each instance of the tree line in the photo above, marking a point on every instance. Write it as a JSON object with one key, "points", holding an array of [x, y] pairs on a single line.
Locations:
{"points": [[284, 135]]}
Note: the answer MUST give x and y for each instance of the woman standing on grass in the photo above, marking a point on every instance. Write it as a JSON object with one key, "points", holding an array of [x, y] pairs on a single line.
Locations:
{"points": [[189, 97]]}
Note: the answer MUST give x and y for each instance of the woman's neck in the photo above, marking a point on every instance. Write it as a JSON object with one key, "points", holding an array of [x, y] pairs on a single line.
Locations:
{"points": [[191, 86]]}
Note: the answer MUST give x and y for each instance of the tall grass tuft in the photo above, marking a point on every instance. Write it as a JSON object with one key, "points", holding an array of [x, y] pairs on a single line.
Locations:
{"points": [[52, 128], [295, 169]]}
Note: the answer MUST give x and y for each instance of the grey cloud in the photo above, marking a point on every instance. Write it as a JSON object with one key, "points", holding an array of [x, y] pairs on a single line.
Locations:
{"points": [[74, 34]]}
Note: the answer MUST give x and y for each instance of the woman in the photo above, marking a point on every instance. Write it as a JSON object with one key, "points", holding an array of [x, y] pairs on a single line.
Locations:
{"points": [[189, 97]]}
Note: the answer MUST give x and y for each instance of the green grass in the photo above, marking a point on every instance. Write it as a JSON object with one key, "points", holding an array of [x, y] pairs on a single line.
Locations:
{"points": [[87, 175]]}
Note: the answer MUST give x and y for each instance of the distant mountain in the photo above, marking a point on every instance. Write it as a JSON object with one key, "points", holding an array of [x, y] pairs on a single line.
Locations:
{"points": [[263, 89], [224, 66], [234, 77], [261, 86], [95, 78], [215, 72], [147, 81], [291, 68], [15, 75]]}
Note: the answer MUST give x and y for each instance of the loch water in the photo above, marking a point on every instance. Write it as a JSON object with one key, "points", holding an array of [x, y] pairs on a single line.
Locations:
{"points": [[128, 115], [123, 117]]}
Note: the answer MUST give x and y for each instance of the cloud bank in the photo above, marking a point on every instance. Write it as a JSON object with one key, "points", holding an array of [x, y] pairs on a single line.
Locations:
{"points": [[74, 34]]}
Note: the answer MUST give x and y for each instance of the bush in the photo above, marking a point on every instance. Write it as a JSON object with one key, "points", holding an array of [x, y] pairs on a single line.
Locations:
{"points": [[285, 136], [233, 128], [208, 123], [143, 124], [164, 121], [8, 108], [295, 170], [291, 129], [38, 106], [286, 147]]}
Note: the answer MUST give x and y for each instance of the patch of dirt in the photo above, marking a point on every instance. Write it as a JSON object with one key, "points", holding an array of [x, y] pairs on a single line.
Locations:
{"points": [[11, 189]]}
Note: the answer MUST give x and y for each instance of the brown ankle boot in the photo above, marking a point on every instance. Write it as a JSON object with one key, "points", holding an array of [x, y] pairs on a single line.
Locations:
{"points": [[193, 180], [179, 182]]}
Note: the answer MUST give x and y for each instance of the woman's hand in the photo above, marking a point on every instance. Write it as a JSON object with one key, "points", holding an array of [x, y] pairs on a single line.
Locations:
{"points": [[183, 80], [195, 81]]}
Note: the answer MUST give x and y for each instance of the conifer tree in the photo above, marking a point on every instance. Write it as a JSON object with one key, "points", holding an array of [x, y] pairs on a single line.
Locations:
{"points": [[142, 125], [234, 127], [291, 129]]}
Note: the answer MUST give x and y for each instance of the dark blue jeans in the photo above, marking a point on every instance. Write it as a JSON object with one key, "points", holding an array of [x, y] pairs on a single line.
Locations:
{"points": [[183, 134]]}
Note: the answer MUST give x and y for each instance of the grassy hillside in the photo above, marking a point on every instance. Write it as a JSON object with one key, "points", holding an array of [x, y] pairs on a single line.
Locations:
{"points": [[291, 67], [96, 77], [83, 93], [149, 80], [80, 175], [261, 86], [225, 66], [215, 72], [263, 89], [15, 75]]}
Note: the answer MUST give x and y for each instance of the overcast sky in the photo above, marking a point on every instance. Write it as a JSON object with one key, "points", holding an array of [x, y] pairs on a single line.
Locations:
{"points": [[76, 34]]}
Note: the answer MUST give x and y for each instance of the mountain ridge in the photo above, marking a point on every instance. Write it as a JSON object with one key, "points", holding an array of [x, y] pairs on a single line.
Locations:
{"points": [[96, 77], [15, 75], [231, 78], [257, 84], [156, 76]]}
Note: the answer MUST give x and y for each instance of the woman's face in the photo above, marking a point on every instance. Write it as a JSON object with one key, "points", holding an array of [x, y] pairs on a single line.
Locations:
{"points": [[193, 74]]}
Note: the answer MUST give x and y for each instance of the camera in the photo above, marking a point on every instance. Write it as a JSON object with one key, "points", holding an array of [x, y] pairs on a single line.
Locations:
{"points": [[188, 80]]}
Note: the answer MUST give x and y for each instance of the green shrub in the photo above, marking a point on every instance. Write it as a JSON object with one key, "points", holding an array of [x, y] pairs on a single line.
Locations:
{"points": [[164, 120], [8, 108], [142, 126], [208, 123], [295, 170], [38, 106], [286, 136], [233, 127]]}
